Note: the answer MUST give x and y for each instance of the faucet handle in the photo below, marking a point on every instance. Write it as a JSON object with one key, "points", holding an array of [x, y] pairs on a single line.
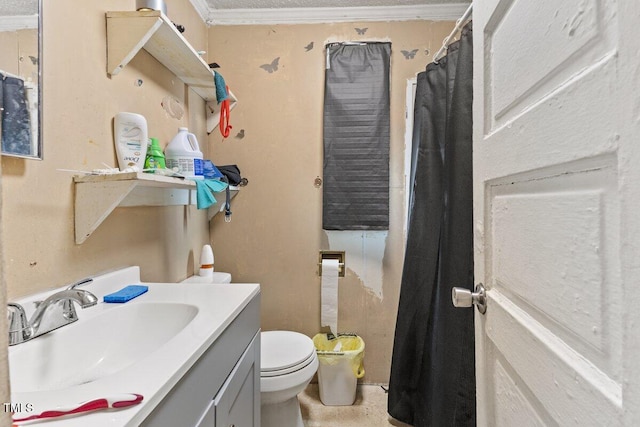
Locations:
{"points": [[19, 328], [81, 282], [69, 311]]}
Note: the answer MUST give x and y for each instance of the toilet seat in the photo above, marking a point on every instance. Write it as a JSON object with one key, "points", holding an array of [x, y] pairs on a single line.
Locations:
{"points": [[284, 352]]}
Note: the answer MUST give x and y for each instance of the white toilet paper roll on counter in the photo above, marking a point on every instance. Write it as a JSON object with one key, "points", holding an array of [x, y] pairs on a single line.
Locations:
{"points": [[329, 294]]}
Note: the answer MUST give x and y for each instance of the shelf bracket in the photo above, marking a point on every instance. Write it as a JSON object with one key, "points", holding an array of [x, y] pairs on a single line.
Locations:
{"points": [[97, 196], [129, 32], [213, 111], [126, 37], [94, 203]]}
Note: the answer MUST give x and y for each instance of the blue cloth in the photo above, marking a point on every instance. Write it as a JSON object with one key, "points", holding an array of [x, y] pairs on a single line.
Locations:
{"points": [[16, 118], [205, 189], [221, 87], [210, 170]]}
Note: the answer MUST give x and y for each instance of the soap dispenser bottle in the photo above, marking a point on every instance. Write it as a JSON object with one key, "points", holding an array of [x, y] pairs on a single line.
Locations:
{"points": [[206, 262], [130, 136], [155, 156]]}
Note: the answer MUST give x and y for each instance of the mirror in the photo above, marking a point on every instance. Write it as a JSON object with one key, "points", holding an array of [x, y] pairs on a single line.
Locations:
{"points": [[20, 78]]}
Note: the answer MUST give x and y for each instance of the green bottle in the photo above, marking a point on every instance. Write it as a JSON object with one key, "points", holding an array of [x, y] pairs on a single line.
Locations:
{"points": [[155, 156]]}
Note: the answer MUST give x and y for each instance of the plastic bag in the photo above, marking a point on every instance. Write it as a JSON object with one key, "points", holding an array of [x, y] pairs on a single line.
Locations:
{"points": [[331, 350], [232, 172]]}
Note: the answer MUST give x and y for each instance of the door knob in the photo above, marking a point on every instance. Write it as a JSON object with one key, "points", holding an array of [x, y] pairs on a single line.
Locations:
{"points": [[462, 297]]}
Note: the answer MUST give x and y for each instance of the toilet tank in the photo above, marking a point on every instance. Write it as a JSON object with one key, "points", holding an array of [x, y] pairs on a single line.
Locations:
{"points": [[217, 277]]}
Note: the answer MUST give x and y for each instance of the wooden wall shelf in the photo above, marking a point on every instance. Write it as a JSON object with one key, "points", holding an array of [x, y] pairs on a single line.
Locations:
{"points": [[128, 32], [98, 195]]}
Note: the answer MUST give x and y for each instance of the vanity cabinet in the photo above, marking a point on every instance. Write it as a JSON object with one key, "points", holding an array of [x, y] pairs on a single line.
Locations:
{"points": [[222, 388], [235, 404]]}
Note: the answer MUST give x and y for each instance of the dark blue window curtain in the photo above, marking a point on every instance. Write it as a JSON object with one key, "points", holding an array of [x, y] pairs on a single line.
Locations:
{"points": [[356, 137]]}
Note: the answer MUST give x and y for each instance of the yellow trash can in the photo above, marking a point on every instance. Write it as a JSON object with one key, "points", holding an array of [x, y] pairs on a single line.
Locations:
{"points": [[341, 364]]}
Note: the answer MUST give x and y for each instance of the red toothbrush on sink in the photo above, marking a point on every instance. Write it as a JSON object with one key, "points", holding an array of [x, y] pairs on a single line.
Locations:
{"points": [[111, 402]]}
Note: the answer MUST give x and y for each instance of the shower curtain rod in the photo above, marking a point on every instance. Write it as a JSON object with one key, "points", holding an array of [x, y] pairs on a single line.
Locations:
{"points": [[459, 24]]}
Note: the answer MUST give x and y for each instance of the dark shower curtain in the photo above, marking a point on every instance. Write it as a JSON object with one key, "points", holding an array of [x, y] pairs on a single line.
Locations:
{"points": [[433, 367]]}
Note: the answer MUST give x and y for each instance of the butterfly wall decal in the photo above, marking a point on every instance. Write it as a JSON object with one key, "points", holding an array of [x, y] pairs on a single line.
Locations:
{"points": [[308, 47], [270, 68], [409, 54], [361, 31]]}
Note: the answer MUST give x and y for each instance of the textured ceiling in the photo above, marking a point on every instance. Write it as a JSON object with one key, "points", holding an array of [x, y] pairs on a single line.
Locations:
{"points": [[18, 7], [261, 12], [279, 4]]}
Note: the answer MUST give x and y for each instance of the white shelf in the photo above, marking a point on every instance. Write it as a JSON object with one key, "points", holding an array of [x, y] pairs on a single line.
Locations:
{"points": [[213, 111], [128, 32], [98, 195]]}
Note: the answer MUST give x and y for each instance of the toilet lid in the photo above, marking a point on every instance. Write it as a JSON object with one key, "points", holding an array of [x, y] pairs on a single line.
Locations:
{"points": [[282, 352]]}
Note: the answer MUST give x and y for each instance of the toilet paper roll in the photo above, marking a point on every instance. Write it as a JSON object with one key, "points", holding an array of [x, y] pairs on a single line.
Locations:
{"points": [[329, 295]]}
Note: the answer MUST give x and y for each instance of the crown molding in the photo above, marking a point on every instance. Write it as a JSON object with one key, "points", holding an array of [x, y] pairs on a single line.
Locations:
{"points": [[202, 8], [13, 23], [317, 15]]}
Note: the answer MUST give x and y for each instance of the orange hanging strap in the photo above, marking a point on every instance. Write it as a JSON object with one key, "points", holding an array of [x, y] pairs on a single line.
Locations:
{"points": [[225, 127]]}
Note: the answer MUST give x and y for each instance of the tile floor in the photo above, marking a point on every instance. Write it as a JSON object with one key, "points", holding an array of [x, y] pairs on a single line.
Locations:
{"points": [[369, 409]]}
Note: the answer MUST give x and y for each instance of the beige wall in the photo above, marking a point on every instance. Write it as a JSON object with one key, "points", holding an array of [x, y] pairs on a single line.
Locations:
{"points": [[80, 101], [16, 48], [275, 233], [5, 395]]}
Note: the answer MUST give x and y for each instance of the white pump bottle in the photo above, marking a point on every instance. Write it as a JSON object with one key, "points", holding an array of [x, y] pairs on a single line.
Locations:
{"points": [[206, 262]]}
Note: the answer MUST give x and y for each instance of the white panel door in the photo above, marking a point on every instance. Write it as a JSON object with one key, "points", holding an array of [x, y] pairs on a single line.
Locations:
{"points": [[556, 212]]}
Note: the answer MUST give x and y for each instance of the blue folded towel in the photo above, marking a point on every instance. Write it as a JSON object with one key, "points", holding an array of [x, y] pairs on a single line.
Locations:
{"points": [[221, 87], [205, 189]]}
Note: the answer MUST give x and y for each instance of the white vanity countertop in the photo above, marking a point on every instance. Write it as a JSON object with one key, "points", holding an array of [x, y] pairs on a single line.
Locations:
{"points": [[153, 375]]}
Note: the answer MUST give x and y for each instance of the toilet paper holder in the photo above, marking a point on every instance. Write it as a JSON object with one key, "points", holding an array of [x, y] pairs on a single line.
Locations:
{"points": [[339, 255]]}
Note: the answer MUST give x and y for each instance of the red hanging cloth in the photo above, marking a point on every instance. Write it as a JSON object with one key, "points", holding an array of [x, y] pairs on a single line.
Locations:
{"points": [[225, 108]]}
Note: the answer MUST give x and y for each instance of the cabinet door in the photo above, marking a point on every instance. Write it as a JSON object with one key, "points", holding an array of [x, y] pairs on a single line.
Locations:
{"points": [[237, 404]]}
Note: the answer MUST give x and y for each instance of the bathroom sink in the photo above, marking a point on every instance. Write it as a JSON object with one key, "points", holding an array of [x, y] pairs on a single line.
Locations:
{"points": [[145, 346], [113, 339]]}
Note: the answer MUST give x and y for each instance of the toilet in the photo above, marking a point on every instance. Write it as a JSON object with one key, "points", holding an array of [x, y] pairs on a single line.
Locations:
{"points": [[216, 277], [288, 362]]}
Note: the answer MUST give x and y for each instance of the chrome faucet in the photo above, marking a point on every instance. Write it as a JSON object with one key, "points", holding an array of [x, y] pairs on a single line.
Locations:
{"points": [[20, 330], [68, 310], [83, 298]]}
